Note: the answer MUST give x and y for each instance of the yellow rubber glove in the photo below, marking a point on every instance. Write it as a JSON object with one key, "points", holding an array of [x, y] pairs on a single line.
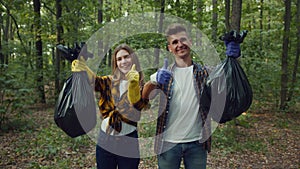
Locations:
{"points": [[133, 77], [80, 65]]}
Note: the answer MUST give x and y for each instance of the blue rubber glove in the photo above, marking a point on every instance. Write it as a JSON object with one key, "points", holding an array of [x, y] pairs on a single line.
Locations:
{"points": [[232, 40], [233, 49], [163, 75]]}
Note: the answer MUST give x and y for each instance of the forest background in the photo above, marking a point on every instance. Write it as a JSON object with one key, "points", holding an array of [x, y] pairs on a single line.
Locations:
{"points": [[33, 72]]}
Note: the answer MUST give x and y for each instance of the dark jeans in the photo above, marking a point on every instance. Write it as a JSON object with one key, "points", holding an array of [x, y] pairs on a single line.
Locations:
{"points": [[121, 151], [192, 153]]}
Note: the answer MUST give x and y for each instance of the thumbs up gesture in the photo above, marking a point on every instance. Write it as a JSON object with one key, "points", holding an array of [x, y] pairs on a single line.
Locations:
{"points": [[163, 75], [133, 77]]}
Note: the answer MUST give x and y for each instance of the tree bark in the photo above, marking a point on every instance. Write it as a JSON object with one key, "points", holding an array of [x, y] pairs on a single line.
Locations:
{"points": [[248, 10], [1, 54], [296, 63], [160, 25], [6, 35], [59, 32], [100, 12], [227, 15], [199, 13], [39, 50], [199, 10], [100, 21], [214, 20], [261, 25], [107, 58], [236, 14], [284, 58]]}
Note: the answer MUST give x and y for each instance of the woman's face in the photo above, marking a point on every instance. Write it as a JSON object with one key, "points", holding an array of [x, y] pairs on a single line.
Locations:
{"points": [[124, 61]]}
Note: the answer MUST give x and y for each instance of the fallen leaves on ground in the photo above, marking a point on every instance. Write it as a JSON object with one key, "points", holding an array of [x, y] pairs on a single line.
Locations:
{"points": [[22, 147]]}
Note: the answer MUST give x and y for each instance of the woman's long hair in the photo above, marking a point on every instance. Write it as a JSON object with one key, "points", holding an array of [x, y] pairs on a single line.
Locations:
{"points": [[117, 74]]}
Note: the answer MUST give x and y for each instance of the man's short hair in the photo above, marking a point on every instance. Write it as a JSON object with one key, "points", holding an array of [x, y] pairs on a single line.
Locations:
{"points": [[174, 29]]}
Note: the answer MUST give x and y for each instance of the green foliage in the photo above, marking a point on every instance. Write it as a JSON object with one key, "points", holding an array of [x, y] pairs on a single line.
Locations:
{"points": [[14, 96], [261, 50], [263, 71], [146, 40], [51, 148]]}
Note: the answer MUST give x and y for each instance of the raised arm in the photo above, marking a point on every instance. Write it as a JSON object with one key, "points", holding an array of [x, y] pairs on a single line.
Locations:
{"points": [[80, 66]]}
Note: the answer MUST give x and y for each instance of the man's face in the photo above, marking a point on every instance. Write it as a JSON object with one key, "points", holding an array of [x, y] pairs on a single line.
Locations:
{"points": [[179, 44]]}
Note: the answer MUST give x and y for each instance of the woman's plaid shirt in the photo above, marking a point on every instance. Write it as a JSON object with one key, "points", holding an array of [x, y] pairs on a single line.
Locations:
{"points": [[113, 106]]}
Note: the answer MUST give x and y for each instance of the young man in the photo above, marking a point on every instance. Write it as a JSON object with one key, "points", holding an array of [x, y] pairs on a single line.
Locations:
{"points": [[180, 132], [179, 127]]}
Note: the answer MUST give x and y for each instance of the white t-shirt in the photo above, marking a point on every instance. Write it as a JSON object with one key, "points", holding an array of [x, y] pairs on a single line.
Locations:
{"points": [[126, 128], [184, 119]]}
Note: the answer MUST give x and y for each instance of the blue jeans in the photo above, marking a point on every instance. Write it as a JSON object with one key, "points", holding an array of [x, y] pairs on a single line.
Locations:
{"points": [[117, 151], [192, 153]]}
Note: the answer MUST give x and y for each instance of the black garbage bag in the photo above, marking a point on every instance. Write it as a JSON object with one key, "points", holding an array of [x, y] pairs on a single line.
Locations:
{"points": [[227, 93], [75, 110]]}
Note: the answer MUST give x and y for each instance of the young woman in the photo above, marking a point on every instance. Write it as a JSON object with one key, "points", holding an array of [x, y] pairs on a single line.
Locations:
{"points": [[117, 143]]}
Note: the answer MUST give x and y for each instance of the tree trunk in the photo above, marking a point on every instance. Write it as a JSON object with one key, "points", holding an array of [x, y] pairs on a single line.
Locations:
{"points": [[178, 9], [6, 35], [199, 14], [161, 20], [100, 20], [39, 50], [59, 32], [199, 10], [296, 63], [261, 26], [268, 38], [248, 10], [227, 15], [128, 8], [100, 12], [236, 14], [1, 54], [142, 6], [190, 6], [214, 20], [284, 59], [107, 58]]}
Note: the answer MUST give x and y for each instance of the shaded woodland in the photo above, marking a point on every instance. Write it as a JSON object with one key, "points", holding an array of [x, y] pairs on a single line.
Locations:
{"points": [[32, 70]]}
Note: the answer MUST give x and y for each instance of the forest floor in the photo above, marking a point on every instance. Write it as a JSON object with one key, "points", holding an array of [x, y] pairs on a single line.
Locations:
{"points": [[264, 140]]}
